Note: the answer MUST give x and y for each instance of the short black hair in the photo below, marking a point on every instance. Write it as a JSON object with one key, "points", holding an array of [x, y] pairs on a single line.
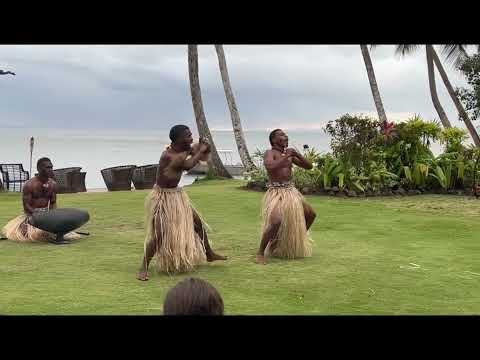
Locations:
{"points": [[193, 296], [41, 160], [176, 131], [272, 135]]}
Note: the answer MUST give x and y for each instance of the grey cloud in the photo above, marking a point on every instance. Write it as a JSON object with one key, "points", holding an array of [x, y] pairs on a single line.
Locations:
{"points": [[147, 86]]}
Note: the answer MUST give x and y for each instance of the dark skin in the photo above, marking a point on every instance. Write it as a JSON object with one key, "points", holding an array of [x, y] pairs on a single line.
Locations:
{"points": [[41, 190], [278, 162], [179, 157]]}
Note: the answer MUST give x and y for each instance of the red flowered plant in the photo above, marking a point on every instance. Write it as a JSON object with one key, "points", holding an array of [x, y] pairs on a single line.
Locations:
{"points": [[389, 130]]}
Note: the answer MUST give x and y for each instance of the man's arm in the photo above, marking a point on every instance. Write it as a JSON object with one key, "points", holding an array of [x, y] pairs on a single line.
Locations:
{"points": [[27, 199], [299, 160], [271, 163], [53, 198], [195, 158], [164, 162]]}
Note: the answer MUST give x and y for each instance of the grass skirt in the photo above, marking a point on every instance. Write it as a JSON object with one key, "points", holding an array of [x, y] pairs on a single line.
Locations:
{"points": [[293, 240], [20, 230], [169, 222]]}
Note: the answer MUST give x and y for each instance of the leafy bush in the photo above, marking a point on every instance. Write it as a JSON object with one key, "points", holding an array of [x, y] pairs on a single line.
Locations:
{"points": [[353, 138], [452, 139], [367, 155], [470, 97]]}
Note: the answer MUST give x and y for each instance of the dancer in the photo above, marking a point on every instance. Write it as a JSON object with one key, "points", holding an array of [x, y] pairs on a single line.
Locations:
{"points": [[286, 215], [174, 230]]}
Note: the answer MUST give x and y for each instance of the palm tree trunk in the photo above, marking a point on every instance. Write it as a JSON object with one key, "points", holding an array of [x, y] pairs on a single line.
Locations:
{"points": [[456, 101], [373, 84], [236, 124], [216, 165], [433, 90]]}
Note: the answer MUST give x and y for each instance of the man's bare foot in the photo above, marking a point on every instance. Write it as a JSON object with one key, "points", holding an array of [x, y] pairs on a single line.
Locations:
{"points": [[142, 275], [213, 257], [261, 260]]}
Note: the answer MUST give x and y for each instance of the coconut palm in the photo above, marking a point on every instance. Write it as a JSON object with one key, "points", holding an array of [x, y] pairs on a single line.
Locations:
{"points": [[455, 53], [236, 124], [452, 53], [215, 164], [409, 49], [373, 84]]}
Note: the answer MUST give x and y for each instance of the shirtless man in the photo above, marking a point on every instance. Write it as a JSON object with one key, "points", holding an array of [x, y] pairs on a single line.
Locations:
{"points": [[287, 217], [175, 231], [39, 194]]}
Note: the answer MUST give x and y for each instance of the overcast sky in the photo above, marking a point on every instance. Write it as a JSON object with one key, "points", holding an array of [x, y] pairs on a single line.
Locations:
{"points": [[147, 87]]}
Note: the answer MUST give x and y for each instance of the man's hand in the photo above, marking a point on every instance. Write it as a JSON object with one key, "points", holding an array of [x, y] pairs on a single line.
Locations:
{"points": [[290, 152], [204, 148]]}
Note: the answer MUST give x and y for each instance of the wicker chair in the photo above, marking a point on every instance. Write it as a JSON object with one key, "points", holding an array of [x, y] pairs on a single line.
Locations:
{"points": [[144, 177], [118, 177], [63, 178], [14, 177], [78, 181]]}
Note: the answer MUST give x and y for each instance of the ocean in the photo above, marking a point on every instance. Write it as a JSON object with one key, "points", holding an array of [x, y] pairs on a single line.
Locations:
{"points": [[94, 150]]}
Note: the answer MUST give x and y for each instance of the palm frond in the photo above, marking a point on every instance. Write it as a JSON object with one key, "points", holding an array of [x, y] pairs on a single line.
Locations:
{"points": [[404, 50], [454, 54]]}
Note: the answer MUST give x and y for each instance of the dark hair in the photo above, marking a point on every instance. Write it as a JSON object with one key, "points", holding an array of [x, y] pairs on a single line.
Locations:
{"points": [[41, 160], [176, 131], [272, 135], [193, 296]]}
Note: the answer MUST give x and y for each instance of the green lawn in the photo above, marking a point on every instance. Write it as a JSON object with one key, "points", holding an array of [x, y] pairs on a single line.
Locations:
{"points": [[362, 263]]}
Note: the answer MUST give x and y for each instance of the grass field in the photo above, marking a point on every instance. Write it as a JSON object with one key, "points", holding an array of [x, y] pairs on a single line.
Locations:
{"points": [[412, 255]]}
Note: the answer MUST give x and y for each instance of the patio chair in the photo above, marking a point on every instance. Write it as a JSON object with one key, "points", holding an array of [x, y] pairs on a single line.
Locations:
{"points": [[118, 178], [63, 178], [14, 177], [144, 177]]}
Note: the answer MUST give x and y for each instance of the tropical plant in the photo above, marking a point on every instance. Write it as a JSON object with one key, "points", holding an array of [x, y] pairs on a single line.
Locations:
{"points": [[258, 174], [329, 168], [353, 138], [458, 54], [411, 145], [416, 176], [453, 139], [470, 97]]}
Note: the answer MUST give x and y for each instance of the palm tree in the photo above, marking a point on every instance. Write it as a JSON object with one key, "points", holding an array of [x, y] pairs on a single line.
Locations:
{"points": [[373, 84], [456, 53], [215, 165], [452, 53], [408, 49], [236, 124]]}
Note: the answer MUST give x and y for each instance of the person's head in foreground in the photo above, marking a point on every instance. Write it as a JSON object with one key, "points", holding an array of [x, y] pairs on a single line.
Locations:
{"points": [[181, 136], [193, 296]]}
